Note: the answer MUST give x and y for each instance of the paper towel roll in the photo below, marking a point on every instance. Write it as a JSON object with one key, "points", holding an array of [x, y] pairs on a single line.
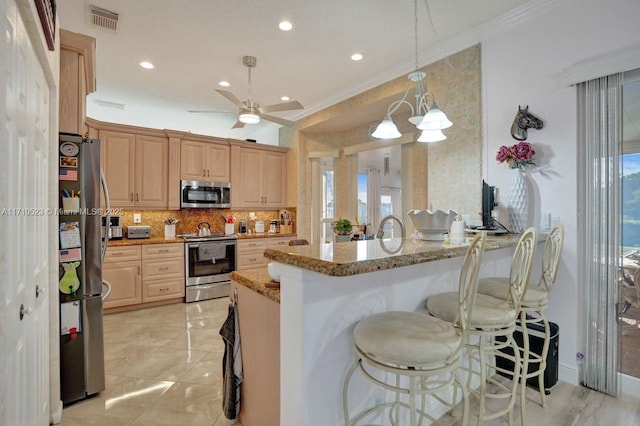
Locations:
{"points": [[456, 233]]}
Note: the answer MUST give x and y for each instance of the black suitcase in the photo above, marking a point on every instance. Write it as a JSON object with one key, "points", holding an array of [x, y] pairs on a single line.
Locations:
{"points": [[536, 341]]}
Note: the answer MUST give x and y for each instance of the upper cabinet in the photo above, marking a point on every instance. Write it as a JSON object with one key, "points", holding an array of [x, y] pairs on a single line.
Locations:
{"points": [[258, 177], [204, 161], [77, 80], [136, 169]]}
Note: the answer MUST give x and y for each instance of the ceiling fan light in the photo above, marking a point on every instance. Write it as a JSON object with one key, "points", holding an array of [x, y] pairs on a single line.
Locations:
{"points": [[249, 118], [386, 130], [430, 136], [435, 119]]}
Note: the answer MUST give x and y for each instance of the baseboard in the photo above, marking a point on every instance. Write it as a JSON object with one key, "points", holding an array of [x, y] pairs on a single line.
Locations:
{"points": [[569, 374], [55, 413]]}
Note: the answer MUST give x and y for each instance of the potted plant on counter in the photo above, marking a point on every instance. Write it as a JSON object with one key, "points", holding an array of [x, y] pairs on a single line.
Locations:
{"points": [[342, 229]]}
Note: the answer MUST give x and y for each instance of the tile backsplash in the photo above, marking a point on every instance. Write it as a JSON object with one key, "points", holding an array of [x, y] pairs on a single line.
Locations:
{"points": [[189, 219]]}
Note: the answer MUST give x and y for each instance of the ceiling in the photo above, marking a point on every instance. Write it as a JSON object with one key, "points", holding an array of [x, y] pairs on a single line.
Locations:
{"points": [[195, 44]]}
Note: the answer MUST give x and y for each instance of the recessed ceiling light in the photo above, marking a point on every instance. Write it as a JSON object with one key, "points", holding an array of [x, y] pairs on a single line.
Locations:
{"points": [[285, 98], [357, 57], [224, 83], [285, 26], [147, 65]]}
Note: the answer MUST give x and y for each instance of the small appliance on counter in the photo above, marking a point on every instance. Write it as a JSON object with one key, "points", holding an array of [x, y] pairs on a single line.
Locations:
{"points": [[242, 228], [259, 227], [115, 227], [138, 232]]}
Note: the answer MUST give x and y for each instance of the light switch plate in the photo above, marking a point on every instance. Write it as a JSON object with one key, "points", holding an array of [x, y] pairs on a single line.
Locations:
{"points": [[546, 221], [137, 218]]}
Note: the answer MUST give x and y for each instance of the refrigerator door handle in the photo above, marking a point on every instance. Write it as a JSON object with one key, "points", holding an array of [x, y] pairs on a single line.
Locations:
{"points": [[107, 203]]}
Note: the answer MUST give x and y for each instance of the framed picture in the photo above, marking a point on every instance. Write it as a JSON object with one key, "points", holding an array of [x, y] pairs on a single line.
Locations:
{"points": [[69, 162], [47, 13]]}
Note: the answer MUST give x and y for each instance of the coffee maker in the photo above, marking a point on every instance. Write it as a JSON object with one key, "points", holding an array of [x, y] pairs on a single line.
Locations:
{"points": [[242, 228]]}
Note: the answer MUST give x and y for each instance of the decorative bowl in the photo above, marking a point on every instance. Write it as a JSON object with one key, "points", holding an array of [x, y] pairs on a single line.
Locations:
{"points": [[272, 269], [432, 225]]}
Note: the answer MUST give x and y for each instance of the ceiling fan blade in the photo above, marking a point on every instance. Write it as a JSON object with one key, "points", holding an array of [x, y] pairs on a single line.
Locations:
{"points": [[231, 97], [278, 120], [284, 106], [238, 125]]}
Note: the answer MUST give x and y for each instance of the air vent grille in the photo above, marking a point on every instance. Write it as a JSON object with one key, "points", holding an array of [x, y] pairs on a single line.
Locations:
{"points": [[104, 18]]}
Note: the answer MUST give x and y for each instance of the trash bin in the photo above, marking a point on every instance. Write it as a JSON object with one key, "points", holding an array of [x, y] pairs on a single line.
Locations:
{"points": [[536, 341]]}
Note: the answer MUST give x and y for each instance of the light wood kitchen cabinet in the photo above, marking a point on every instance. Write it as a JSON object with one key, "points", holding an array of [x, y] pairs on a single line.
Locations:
{"points": [[121, 269], [251, 251], [77, 80], [136, 169], [204, 161], [258, 178], [162, 272]]}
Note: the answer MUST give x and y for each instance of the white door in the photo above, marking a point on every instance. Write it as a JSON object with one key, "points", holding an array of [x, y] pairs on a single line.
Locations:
{"points": [[24, 163]]}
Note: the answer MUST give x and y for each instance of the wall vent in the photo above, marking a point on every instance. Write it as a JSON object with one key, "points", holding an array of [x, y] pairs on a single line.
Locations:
{"points": [[103, 18]]}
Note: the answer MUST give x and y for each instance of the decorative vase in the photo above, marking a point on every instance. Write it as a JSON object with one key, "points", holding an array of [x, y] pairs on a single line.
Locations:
{"points": [[518, 202], [342, 238], [170, 231]]}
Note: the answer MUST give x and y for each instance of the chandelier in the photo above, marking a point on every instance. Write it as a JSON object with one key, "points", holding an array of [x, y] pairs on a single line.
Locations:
{"points": [[430, 119]]}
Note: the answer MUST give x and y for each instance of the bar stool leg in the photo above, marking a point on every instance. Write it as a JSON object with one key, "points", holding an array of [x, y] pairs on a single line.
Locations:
{"points": [[525, 365]]}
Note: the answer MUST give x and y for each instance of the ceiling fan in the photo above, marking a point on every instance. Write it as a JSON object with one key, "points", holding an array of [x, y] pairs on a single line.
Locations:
{"points": [[250, 112]]}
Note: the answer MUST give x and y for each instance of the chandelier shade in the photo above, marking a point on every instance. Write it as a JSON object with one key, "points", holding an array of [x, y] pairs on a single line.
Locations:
{"points": [[435, 119], [386, 130], [431, 136]]}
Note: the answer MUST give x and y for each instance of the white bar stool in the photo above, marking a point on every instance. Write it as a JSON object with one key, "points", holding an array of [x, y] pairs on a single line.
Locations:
{"points": [[493, 318], [534, 302], [424, 349]]}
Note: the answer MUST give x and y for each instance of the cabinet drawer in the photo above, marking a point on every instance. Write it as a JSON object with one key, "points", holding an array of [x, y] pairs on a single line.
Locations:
{"points": [[251, 259], [122, 254], [278, 242], [163, 250], [162, 268], [252, 245], [162, 289]]}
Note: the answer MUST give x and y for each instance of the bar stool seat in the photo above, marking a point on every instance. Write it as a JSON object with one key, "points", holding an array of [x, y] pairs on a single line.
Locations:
{"points": [[498, 288], [487, 311], [406, 338]]}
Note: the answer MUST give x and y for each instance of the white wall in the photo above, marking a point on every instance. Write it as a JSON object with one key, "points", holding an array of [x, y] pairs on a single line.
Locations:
{"points": [[525, 66]]}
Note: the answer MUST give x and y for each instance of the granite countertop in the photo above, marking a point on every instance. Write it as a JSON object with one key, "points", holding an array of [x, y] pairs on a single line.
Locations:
{"points": [[143, 241], [359, 257], [262, 235], [257, 280]]}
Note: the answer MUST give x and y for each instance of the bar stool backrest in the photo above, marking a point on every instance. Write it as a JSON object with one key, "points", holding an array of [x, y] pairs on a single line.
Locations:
{"points": [[468, 285], [551, 257], [521, 267]]}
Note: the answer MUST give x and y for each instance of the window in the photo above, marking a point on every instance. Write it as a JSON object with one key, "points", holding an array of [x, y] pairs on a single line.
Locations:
{"points": [[362, 198]]}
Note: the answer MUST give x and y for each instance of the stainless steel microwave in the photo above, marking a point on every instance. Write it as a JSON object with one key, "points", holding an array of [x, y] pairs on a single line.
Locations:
{"points": [[208, 195]]}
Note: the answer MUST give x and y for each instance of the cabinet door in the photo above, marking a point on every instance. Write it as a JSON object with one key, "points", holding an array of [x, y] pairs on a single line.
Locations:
{"points": [[71, 112], [193, 160], [152, 171], [274, 181], [217, 163], [126, 283], [119, 166], [247, 192]]}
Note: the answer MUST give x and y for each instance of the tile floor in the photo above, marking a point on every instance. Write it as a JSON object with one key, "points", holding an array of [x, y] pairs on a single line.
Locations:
{"points": [[630, 342], [163, 367]]}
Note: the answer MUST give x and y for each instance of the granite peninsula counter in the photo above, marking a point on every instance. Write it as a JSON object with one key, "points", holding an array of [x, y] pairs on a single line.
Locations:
{"points": [[326, 289]]}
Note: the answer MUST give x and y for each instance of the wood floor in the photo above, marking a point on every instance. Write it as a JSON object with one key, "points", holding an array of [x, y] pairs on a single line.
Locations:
{"points": [[163, 368]]}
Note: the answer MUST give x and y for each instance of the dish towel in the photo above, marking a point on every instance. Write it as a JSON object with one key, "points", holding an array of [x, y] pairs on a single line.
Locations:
{"points": [[231, 364]]}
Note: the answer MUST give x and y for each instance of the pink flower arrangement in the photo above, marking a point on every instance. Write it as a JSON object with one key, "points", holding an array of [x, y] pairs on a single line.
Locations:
{"points": [[516, 156]]}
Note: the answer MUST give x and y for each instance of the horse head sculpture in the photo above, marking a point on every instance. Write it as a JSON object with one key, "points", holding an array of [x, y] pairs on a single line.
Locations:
{"points": [[524, 120]]}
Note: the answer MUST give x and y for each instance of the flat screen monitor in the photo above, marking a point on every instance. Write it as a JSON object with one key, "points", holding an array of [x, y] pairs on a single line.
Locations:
{"points": [[488, 203]]}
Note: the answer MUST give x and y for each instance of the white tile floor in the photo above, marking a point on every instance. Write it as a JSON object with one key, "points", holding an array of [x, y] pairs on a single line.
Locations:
{"points": [[163, 367]]}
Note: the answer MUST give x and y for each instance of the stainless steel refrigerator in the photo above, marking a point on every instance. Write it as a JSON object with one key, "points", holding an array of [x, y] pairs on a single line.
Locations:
{"points": [[81, 255]]}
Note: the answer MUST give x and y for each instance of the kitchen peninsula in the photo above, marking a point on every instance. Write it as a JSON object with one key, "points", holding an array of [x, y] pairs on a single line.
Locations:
{"points": [[326, 289]]}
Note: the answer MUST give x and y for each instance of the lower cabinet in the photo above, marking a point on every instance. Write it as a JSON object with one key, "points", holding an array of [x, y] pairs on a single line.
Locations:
{"points": [[251, 251], [143, 274]]}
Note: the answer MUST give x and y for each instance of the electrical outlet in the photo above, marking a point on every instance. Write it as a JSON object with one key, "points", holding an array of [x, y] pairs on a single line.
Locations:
{"points": [[137, 218], [546, 221]]}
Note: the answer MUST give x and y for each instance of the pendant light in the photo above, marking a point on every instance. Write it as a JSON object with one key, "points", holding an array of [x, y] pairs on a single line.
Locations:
{"points": [[434, 119]]}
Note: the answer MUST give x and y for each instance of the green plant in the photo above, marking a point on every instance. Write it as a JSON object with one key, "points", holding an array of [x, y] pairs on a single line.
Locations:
{"points": [[342, 227]]}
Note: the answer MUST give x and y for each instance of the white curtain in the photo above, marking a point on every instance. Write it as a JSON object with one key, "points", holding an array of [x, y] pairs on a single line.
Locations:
{"points": [[599, 141], [373, 197]]}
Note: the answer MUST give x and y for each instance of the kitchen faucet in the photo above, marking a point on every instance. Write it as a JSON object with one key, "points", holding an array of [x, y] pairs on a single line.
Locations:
{"points": [[380, 232]]}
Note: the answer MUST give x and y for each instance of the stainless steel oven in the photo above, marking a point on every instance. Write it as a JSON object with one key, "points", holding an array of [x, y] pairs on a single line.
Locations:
{"points": [[210, 195], [209, 262]]}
